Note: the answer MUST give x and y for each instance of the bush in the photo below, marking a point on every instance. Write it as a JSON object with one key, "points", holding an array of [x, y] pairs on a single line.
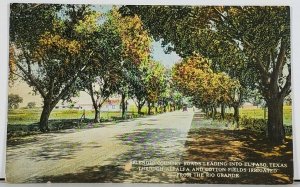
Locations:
{"points": [[260, 125], [31, 105], [255, 125]]}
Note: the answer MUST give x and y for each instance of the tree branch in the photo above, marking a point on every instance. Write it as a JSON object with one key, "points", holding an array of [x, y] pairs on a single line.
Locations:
{"points": [[286, 89], [32, 80], [280, 62]]}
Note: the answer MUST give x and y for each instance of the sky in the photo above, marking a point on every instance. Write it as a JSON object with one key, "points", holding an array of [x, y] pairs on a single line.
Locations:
{"points": [[168, 60]]}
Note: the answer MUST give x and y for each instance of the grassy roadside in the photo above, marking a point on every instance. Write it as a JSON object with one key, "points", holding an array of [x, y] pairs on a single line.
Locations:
{"points": [[258, 113]]}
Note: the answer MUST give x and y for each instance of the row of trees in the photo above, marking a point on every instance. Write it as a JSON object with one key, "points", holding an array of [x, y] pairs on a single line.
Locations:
{"points": [[250, 44], [76, 48], [194, 77], [14, 101]]}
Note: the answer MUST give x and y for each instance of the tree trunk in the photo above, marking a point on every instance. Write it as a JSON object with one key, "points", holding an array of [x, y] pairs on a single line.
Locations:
{"points": [[123, 105], [211, 112], [97, 115], [139, 108], [149, 108], [43, 124], [223, 111], [275, 131], [156, 110], [236, 115], [214, 112]]}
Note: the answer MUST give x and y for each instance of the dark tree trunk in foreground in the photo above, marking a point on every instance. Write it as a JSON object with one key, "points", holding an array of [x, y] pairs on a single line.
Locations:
{"points": [[223, 111], [140, 105], [139, 109], [43, 124], [97, 115], [123, 103], [149, 108], [275, 132], [47, 109], [214, 112], [236, 115], [275, 94], [95, 104]]}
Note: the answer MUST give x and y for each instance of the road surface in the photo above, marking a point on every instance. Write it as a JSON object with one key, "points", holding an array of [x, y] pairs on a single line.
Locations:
{"points": [[102, 154]]}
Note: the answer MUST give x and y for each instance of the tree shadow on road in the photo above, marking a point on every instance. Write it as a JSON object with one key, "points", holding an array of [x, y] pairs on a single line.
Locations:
{"points": [[211, 144], [48, 151], [202, 144], [144, 144]]}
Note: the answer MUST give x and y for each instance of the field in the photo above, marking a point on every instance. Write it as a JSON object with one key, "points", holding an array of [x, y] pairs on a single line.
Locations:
{"points": [[29, 116], [259, 113]]}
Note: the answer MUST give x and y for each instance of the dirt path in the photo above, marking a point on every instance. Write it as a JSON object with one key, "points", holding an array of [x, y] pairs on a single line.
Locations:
{"points": [[99, 154]]}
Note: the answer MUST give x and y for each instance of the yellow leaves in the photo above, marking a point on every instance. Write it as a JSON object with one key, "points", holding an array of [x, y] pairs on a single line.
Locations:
{"points": [[136, 40], [195, 77], [88, 24], [51, 41], [57, 25]]}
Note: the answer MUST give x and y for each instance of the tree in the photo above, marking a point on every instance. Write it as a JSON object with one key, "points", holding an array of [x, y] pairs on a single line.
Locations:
{"points": [[176, 99], [31, 104], [260, 34], [119, 45], [101, 79], [156, 83], [194, 77], [166, 96], [136, 44], [51, 59], [136, 84], [14, 100]]}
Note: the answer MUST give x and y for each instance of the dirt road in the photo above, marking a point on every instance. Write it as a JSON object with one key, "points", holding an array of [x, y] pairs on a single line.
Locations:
{"points": [[101, 154]]}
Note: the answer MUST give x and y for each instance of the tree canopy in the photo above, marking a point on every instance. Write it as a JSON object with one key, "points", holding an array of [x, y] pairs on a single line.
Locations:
{"points": [[258, 36]]}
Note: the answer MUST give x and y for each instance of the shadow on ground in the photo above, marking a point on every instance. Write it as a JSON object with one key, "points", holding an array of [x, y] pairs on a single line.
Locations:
{"points": [[164, 144], [202, 145], [218, 144]]}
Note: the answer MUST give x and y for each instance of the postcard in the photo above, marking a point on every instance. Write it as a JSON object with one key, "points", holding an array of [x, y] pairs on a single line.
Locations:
{"points": [[149, 94]]}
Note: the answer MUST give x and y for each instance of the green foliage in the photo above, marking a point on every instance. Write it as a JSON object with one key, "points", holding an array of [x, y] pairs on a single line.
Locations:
{"points": [[253, 124], [52, 59], [14, 100], [249, 43], [31, 104], [155, 80]]}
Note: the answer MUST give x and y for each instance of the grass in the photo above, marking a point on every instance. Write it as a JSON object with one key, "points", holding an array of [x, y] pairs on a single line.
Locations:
{"points": [[134, 109], [29, 116], [258, 113]]}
